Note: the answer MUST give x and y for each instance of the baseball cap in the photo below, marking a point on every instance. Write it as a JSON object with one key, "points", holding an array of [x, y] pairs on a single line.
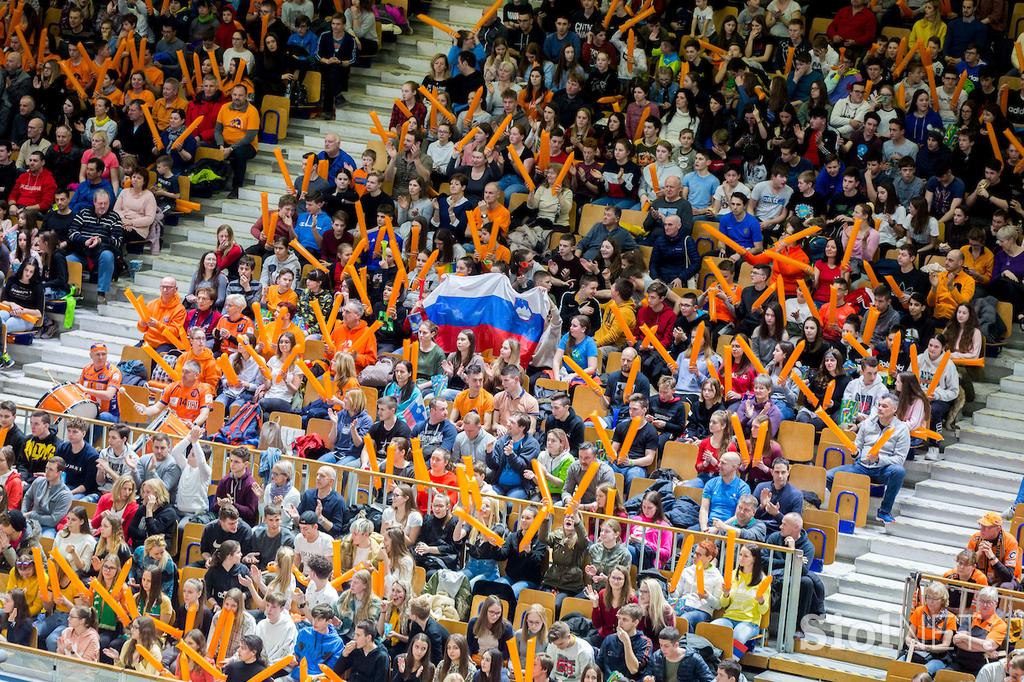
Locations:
{"points": [[990, 519], [308, 518]]}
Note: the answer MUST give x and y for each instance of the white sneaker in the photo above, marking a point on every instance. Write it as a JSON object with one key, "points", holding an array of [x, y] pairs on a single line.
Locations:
{"points": [[932, 455]]}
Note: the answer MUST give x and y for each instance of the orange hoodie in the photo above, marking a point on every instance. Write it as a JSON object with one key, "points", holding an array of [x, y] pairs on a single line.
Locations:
{"points": [[171, 315], [210, 373], [345, 339]]}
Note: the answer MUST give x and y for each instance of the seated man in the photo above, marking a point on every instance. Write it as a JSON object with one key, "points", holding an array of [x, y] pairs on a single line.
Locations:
{"points": [[885, 467], [951, 288], [628, 650], [995, 550], [643, 450], [747, 527], [228, 526], [324, 502], [189, 398], [96, 236], [722, 493], [615, 382], [318, 643], [777, 497], [812, 590], [981, 638], [48, 499]]}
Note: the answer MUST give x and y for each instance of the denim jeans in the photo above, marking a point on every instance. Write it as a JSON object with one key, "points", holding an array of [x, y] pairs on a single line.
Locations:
{"points": [[14, 325], [629, 473], [609, 201], [517, 492], [106, 269], [480, 569], [50, 628], [891, 476], [741, 631], [230, 401], [699, 482], [695, 617], [92, 497]]}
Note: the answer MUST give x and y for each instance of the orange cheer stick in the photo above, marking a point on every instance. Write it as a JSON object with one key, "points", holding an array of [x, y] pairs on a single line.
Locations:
{"points": [[960, 88], [527, 180], [729, 290], [437, 104], [812, 399], [404, 109], [913, 361], [856, 344], [627, 440], [37, 560], [696, 341], [613, 5], [200, 660], [727, 370], [114, 605], [565, 170], [870, 272], [652, 338], [307, 172], [969, 362], [471, 520], [896, 291], [322, 390], [792, 262], [749, 352], [939, 371], [310, 258], [681, 560], [762, 433], [284, 170], [531, 531], [829, 390], [894, 353], [444, 28], [224, 363], [882, 440], [636, 19], [741, 440], [808, 299], [798, 236], [159, 360], [473, 105], [631, 379], [604, 437], [587, 379], [185, 134], [851, 243], [787, 367], [762, 587], [763, 298], [487, 16], [258, 359], [466, 138], [499, 131], [153, 130], [620, 318], [994, 141], [870, 322], [844, 439], [274, 668]]}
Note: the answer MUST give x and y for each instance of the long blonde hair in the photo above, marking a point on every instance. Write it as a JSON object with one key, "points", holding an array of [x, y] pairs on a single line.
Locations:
{"points": [[656, 604], [282, 581], [116, 541], [157, 541], [345, 602], [494, 518]]}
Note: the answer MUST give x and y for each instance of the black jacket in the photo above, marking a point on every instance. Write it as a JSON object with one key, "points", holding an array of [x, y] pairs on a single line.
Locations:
{"points": [[524, 565], [435, 632], [359, 666], [692, 668], [164, 522], [573, 427], [672, 411]]}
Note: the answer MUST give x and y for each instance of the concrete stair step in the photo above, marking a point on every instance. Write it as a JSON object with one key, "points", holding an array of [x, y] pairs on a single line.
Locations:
{"points": [[930, 531], [894, 567], [872, 587], [1003, 401], [968, 496], [1018, 369], [952, 512], [999, 419], [981, 478], [863, 608], [24, 390], [915, 550], [44, 370], [177, 263], [81, 341], [842, 650], [1014, 383], [819, 668], [88, 321], [992, 437], [1003, 462]]}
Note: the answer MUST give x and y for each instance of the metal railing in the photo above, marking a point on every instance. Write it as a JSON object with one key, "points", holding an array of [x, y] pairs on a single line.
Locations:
{"points": [[26, 663], [359, 481]]}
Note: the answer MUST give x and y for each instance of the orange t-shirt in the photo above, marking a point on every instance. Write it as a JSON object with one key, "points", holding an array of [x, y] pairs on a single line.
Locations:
{"points": [[930, 629], [100, 380], [233, 329], [482, 404], [186, 402], [162, 110], [276, 298], [235, 124], [145, 95]]}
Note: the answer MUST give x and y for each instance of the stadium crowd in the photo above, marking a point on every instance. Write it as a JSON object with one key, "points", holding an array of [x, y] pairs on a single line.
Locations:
{"points": [[735, 227]]}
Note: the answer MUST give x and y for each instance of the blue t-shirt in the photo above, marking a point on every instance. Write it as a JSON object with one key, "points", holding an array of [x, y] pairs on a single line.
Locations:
{"points": [[744, 232], [702, 189], [305, 225], [724, 496], [584, 350]]}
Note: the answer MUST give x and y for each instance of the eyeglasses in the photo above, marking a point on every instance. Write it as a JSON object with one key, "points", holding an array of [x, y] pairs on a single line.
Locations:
{"points": [[23, 564]]}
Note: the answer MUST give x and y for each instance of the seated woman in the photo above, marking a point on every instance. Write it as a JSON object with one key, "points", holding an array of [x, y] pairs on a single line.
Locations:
{"points": [[948, 388], [207, 275], [225, 573], [80, 639], [533, 626], [523, 566], [436, 547], [244, 623], [932, 627], [152, 554], [137, 208], [406, 392], [550, 210], [492, 667], [606, 552], [757, 402], [393, 622], [759, 468], [743, 608], [617, 592], [142, 633], [150, 598], [402, 513], [351, 423], [275, 393], [439, 470], [456, 660], [15, 618], [698, 606], [567, 557], [489, 629], [25, 302], [658, 614], [711, 449], [482, 553], [576, 344], [415, 665], [785, 393], [914, 408], [356, 604], [706, 404], [965, 343], [650, 547], [282, 580], [1007, 283]]}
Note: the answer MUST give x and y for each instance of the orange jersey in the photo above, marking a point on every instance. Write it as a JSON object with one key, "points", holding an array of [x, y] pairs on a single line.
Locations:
{"points": [[929, 628], [1004, 547], [186, 402], [100, 380], [276, 298], [230, 331]]}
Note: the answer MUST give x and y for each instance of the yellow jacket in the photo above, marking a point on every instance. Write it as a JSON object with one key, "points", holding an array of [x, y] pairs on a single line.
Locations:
{"points": [[741, 603], [610, 333], [31, 587], [946, 295]]}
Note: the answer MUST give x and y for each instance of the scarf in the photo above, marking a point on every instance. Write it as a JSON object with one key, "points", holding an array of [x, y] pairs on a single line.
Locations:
{"points": [[280, 490]]}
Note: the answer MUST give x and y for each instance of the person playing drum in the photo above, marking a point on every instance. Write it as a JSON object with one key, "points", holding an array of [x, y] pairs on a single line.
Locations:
{"points": [[189, 399], [101, 380]]}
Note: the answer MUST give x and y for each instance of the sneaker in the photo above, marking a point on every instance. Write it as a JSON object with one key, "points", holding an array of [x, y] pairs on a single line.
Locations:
{"points": [[340, 101], [233, 194], [932, 455], [6, 362], [884, 517], [1010, 511]]}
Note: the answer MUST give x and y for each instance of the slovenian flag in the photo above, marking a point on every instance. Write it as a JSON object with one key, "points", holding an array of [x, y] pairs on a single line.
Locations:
{"points": [[489, 306]]}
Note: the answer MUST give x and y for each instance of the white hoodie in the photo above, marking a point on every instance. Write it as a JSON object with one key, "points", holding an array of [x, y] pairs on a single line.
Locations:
{"points": [[278, 638]]}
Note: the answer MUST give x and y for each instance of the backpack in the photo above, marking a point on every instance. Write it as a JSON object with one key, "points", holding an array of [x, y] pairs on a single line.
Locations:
{"points": [[133, 372], [158, 374], [243, 428], [705, 649], [207, 177]]}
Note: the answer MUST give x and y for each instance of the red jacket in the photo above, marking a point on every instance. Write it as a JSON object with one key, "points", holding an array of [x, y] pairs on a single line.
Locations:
{"points": [[860, 27], [15, 490], [661, 323], [34, 189], [106, 504], [208, 110]]}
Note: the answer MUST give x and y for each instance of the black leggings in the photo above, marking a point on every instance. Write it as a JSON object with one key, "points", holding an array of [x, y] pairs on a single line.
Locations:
{"points": [[1009, 291]]}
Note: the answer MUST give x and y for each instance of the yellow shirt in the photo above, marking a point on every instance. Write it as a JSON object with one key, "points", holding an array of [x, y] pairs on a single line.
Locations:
{"points": [[162, 110], [982, 265], [235, 124]]}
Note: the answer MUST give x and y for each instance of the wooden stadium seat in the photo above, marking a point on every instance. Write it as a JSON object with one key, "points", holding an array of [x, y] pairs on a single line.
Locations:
{"points": [[591, 214], [139, 394], [46, 544], [474, 607], [901, 671], [719, 635], [611, 362], [274, 116], [287, 419], [808, 477], [75, 277], [419, 579], [681, 458], [947, 675], [797, 441], [620, 484], [895, 31], [693, 493], [454, 626], [189, 572], [638, 485], [721, 14], [135, 353], [529, 597], [371, 394], [209, 153], [549, 384], [831, 453], [682, 625], [322, 427], [314, 85], [859, 485], [822, 528], [89, 507], [192, 534], [586, 402], [518, 199], [216, 419], [584, 607]]}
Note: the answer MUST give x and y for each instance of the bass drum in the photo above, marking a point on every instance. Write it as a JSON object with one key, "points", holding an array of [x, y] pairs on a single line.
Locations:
{"points": [[167, 423], [69, 399]]}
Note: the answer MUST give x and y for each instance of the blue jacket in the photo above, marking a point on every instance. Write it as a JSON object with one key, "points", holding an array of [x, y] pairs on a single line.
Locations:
{"points": [[801, 89], [502, 468], [317, 649], [691, 668], [82, 198], [960, 33], [674, 258]]}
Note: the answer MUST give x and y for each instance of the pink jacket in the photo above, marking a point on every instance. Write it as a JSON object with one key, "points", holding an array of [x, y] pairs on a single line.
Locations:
{"points": [[659, 541]]}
